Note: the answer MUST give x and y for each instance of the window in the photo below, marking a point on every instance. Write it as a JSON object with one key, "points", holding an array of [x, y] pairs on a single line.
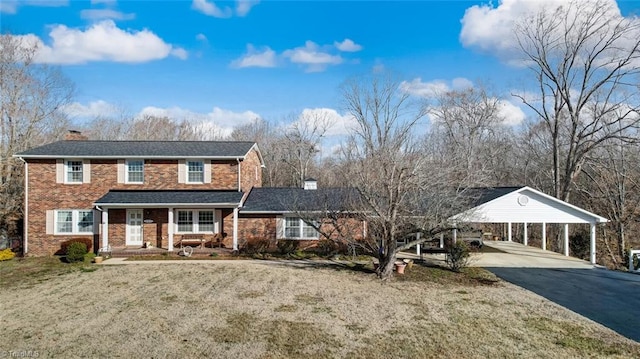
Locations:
{"points": [[297, 228], [185, 221], [74, 171], [74, 222], [194, 221], [195, 172], [205, 221], [135, 171]]}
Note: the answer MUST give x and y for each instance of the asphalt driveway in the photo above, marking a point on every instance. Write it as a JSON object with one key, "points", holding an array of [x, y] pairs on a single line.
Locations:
{"points": [[607, 297]]}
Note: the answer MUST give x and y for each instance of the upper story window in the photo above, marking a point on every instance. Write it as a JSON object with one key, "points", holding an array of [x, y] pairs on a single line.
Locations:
{"points": [[135, 171], [297, 228], [195, 171], [74, 222], [74, 171]]}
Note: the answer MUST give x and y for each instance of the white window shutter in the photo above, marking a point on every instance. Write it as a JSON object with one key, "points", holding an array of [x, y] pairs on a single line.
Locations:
{"points": [[279, 227], [121, 171], [50, 222], [207, 171], [86, 171], [60, 171], [181, 171]]}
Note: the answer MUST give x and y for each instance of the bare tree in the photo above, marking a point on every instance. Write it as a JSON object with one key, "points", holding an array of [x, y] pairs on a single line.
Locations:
{"points": [[31, 98], [399, 188], [302, 143], [584, 58], [468, 129]]}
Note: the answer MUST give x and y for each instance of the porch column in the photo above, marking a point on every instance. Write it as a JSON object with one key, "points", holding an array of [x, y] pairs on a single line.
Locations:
{"points": [[525, 240], [235, 229], [566, 239], [455, 235], [441, 240], [592, 243], [544, 236], [509, 232], [105, 228], [170, 228]]}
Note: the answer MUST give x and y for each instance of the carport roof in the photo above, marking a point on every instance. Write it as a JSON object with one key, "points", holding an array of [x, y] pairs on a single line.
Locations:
{"points": [[521, 205]]}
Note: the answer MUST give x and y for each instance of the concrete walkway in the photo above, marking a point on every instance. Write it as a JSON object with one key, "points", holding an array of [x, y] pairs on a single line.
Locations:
{"points": [[520, 256]]}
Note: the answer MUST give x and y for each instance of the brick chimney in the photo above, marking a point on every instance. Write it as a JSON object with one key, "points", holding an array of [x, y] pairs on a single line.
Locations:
{"points": [[74, 135]]}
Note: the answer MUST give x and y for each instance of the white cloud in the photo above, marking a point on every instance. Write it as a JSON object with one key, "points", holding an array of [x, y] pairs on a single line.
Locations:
{"points": [[256, 58], [218, 120], [340, 125], [244, 6], [180, 53], [94, 109], [102, 41], [347, 45], [512, 114], [201, 37], [432, 88], [312, 56], [99, 14], [11, 6], [211, 9], [490, 28]]}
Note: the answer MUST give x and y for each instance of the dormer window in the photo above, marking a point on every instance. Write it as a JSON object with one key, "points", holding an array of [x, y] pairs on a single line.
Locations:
{"points": [[73, 171], [195, 171]]}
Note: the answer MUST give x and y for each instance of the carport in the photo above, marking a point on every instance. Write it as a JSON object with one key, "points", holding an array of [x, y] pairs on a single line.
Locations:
{"points": [[511, 205]]}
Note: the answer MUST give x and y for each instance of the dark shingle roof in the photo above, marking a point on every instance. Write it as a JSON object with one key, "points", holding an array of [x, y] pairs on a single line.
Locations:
{"points": [[480, 195], [123, 149], [279, 199], [169, 197]]}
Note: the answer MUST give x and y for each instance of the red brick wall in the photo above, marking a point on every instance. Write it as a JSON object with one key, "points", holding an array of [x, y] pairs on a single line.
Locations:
{"points": [[45, 194], [251, 172]]}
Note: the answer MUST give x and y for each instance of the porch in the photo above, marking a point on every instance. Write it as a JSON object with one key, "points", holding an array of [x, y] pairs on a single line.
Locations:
{"points": [[123, 252]]}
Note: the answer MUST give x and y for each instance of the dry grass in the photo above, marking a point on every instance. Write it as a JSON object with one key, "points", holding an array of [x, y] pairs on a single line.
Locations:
{"points": [[270, 310]]}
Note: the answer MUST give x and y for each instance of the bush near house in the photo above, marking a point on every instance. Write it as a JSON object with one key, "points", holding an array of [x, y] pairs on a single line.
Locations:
{"points": [[88, 243], [458, 256], [76, 252]]}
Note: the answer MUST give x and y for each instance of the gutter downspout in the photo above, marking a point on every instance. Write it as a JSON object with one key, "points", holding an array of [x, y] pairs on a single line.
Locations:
{"points": [[25, 231], [239, 176]]}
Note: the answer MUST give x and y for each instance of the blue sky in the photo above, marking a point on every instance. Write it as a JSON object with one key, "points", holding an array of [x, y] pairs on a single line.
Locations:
{"points": [[229, 62]]}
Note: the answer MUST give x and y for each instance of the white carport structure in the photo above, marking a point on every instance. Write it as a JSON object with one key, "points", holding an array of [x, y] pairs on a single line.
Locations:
{"points": [[526, 205]]}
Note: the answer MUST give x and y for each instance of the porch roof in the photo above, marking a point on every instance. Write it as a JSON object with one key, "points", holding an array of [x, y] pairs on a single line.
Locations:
{"points": [[169, 198]]}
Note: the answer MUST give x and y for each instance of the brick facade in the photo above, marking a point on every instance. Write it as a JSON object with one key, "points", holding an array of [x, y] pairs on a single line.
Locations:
{"points": [[44, 194]]}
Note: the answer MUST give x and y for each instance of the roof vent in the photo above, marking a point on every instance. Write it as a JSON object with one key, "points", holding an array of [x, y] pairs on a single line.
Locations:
{"points": [[310, 183]]}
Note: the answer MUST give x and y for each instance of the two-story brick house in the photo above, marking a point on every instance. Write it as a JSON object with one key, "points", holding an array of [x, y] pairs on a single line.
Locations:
{"points": [[126, 193]]}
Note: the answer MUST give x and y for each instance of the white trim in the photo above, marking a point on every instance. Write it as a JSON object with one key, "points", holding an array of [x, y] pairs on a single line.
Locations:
{"points": [[65, 172], [302, 225], [235, 229], [566, 239], [170, 229], [168, 157], [177, 205], [186, 171]]}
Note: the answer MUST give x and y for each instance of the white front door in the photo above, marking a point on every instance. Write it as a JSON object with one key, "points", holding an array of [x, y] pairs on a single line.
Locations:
{"points": [[134, 227]]}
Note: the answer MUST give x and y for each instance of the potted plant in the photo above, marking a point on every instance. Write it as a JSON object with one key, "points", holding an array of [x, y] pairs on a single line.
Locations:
{"points": [[400, 266]]}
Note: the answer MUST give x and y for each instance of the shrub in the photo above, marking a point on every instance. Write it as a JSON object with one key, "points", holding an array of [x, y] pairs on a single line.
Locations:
{"points": [[6, 254], [458, 256], [579, 244], [256, 246], [89, 257], [88, 243], [287, 246], [76, 252], [327, 247]]}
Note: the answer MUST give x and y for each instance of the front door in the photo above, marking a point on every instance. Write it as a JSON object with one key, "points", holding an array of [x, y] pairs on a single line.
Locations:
{"points": [[134, 227]]}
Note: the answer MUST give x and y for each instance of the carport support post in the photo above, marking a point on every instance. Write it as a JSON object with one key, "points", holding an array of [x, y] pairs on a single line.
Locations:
{"points": [[418, 245], [509, 232], [455, 235], [170, 228], [566, 239], [525, 240], [592, 244], [441, 240], [544, 236]]}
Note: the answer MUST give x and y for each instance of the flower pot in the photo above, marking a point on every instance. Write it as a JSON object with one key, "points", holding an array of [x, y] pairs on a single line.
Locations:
{"points": [[400, 266], [97, 260]]}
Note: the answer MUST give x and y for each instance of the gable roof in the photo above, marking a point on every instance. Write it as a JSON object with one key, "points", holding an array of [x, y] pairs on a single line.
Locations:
{"points": [[293, 199], [174, 198], [141, 149], [522, 205]]}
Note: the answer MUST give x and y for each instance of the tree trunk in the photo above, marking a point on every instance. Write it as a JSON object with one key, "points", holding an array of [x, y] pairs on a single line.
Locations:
{"points": [[387, 261]]}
